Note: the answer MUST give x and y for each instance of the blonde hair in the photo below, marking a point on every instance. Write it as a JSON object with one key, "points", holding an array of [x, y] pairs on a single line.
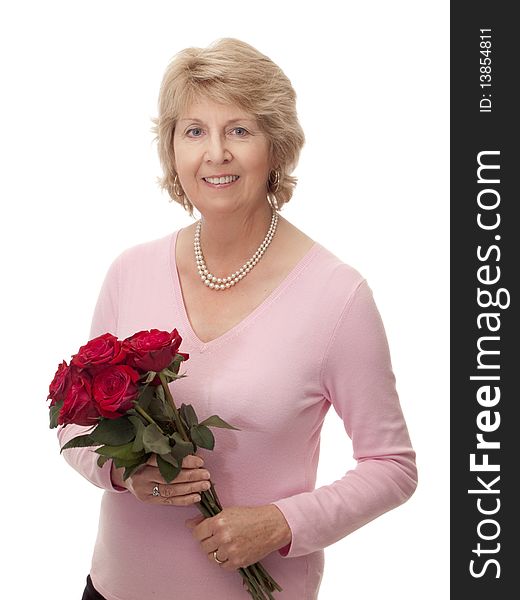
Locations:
{"points": [[231, 72]]}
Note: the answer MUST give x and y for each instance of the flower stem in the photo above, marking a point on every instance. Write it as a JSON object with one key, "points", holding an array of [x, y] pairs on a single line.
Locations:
{"points": [[214, 491], [208, 504], [146, 416], [270, 581], [254, 568], [204, 510], [176, 416], [254, 587]]}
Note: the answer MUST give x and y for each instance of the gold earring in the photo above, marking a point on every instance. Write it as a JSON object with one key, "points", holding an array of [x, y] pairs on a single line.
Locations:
{"points": [[177, 189], [274, 181]]}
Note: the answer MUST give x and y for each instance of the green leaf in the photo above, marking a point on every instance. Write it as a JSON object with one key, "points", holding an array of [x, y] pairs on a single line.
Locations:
{"points": [[182, 416], [167, 470], [123, 452], [176, 363], [139, 430], [171, 375], [150, 377], [124, 462], [102, 460], [181, 448], [160, 393], [54, 413], [131, 469], [114, 432], [189, 414], [166, 407], [170, 458], [216, 421], [80, 441], [155, 441], [145, 397], [202, 436], [157, 409]]}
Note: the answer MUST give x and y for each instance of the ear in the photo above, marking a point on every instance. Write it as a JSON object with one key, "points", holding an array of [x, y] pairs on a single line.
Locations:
{"points": [[173, 151]]}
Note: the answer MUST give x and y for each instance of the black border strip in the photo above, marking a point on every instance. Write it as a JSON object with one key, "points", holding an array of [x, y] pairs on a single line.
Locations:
{"points": [[484, 125]]}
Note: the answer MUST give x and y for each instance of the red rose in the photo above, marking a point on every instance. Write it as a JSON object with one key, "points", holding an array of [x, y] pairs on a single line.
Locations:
{"points": [[152, 350], [114, 389], [60, 383], [103, 350], [78, 406]]}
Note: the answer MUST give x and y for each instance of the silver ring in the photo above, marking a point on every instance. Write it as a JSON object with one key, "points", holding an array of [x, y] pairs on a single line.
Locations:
{"points": [[155, 491], [220, 562]]}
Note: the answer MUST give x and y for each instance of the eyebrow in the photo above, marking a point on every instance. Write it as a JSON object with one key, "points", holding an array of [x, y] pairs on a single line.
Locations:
{"points": [[226, 123]]}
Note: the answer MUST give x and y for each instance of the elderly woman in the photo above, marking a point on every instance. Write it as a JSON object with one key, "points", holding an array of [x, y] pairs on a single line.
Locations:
{"points": [[278, 329]]}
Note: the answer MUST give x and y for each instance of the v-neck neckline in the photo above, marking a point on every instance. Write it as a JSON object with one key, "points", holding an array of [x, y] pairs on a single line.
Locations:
{"points": [[249, 318]]}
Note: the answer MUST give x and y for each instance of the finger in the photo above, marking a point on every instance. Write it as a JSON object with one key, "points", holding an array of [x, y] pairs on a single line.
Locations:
{"points": [[183, 489], [210, 544], [204, 529], [164, 494], [192, 523], [152, 461], [144, 478], [224, 561], [185, 476], [178, 500], [192, 461]]}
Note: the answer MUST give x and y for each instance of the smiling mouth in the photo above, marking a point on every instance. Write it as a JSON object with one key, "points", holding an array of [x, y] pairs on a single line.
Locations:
{"points": [[221, 180]]}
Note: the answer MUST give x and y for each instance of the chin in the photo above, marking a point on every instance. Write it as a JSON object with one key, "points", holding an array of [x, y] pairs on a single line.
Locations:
{"points": [[218, 205]]}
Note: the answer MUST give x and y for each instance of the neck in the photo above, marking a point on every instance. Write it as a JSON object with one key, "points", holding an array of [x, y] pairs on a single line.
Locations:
{"points": [[228, 240]]}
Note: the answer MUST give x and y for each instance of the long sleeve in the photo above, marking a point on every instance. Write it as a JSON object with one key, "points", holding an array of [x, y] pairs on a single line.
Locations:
{"points": [[104, 320], [357, 378]]}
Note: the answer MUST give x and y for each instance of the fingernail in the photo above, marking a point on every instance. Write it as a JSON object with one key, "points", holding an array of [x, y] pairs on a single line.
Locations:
{"points": [[197, 498]]}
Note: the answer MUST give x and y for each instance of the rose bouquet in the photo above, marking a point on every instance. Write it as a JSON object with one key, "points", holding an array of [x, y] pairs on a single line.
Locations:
{"points": [[120, 389]]}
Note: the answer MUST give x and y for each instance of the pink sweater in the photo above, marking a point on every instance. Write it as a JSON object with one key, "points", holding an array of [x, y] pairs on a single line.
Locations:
{"points": [[316, 341]]}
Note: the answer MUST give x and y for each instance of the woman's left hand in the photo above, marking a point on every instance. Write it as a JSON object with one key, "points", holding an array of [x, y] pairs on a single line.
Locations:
{"points": [[242, 535]]}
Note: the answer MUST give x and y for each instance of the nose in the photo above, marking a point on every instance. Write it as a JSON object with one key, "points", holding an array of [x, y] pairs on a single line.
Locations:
{"points": [[217, 150]]}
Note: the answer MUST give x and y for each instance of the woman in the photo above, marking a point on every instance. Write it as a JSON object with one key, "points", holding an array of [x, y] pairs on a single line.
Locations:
{"points": [[278, 329]]}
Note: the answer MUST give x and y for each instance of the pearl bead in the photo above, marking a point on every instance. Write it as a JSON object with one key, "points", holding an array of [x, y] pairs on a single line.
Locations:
{"points": [[223, 283]]}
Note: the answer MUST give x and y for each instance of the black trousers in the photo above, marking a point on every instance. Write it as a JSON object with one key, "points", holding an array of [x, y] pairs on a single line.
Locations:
{"points": [[90, 592]]}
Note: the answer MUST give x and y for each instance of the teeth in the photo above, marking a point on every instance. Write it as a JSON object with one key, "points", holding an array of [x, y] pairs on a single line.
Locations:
{"points": [[219, 180]]}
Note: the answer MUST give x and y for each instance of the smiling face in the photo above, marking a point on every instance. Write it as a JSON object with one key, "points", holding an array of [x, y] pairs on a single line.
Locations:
{"points": [[221, 157]]}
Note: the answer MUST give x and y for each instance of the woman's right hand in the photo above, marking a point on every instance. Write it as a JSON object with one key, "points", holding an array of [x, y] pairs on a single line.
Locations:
{"points": [[184, 490]]}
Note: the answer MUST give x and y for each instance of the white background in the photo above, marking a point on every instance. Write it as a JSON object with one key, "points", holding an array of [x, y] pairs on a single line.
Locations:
{"points": [[80, 82]]}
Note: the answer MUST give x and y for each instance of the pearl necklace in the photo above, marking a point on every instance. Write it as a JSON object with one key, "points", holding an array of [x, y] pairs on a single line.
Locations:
{"points": [[224, 283]]}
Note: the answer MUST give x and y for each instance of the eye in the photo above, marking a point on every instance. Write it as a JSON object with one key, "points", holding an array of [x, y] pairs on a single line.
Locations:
{"points": [[194, 132], [240, 131]]}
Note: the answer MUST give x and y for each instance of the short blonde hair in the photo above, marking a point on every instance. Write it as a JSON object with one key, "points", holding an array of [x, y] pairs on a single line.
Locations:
{"points": [[232, 72]]}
